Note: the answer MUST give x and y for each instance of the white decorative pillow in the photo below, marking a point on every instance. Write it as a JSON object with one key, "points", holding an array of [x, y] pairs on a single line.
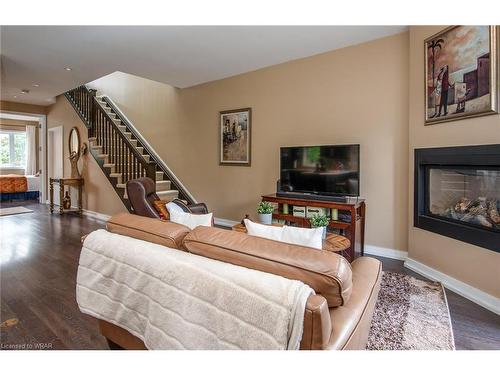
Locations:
{"points": [[310, 237], [171, 207], [296, 236], [265, 231], [190, 220]]}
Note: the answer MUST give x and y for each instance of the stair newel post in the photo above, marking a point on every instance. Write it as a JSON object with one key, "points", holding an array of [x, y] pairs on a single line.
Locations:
{"points": [[93, 111], [151, 170]]}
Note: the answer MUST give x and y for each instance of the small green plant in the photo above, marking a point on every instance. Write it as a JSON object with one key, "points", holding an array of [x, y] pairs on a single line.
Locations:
{"points": [[319, 221], [265, 208]]}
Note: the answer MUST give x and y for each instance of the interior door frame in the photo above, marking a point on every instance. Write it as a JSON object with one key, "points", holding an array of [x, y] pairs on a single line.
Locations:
{"points": [[59, 129]]}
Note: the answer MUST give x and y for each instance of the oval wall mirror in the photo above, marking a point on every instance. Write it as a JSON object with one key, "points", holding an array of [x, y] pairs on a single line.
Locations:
{"points": [[74, 151]]}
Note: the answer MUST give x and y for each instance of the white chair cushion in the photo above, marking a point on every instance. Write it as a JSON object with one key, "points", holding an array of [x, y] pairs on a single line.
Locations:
{"points": [[190, 220], [309, 237]]}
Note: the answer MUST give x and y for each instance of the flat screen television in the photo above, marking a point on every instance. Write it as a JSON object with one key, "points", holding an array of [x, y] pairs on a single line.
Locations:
{"points": [[320, 170]]}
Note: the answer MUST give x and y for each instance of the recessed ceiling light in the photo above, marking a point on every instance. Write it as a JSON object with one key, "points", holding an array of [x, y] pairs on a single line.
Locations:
{"points": [[36, 85], [25, 91], [15, 96], [68, 69]]}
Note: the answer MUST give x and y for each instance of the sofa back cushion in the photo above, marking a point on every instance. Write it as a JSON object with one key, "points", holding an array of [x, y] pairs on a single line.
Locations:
{"points": [[158, 231], [329, 274]]}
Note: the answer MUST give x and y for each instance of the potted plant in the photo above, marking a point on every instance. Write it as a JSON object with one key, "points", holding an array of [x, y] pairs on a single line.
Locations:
{"points": [[320, 221], [265, 211]]}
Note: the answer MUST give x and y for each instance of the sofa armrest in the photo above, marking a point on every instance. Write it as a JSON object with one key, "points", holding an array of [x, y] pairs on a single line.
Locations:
{"points": [[317, 324]]}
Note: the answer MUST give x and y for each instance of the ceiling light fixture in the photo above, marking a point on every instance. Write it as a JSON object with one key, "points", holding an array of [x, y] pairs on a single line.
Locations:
{"points": [[36, 85], [68, 69], [25, 91], [15, 96]]}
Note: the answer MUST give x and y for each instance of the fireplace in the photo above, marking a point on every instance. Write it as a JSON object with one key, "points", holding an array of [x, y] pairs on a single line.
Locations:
{"points": [[457, 193]]}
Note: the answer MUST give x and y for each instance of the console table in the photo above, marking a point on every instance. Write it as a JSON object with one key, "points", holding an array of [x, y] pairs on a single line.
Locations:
{"points": [[76, 182], [352, 227]]}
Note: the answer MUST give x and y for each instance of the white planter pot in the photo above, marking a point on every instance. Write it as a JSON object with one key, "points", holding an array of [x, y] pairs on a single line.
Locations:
{"points": [[324, 233], [266, 219]]}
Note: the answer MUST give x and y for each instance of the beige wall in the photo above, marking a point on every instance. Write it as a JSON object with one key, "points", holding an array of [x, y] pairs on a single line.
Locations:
{"points": [[353, 95], [98, 193], [21, 107], [471, 264]]}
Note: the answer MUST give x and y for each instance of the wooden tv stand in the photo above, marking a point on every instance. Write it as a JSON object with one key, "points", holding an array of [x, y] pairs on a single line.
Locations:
{"points": [[353, 229]]}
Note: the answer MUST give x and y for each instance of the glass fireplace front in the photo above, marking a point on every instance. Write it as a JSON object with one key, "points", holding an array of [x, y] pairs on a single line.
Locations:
{"points": [[466, 194]]}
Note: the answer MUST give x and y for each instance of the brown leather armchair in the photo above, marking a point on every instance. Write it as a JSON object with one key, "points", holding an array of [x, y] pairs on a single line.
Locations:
{"points": [[141, 193]]}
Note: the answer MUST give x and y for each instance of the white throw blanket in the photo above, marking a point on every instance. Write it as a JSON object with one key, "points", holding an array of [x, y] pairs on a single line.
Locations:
{"points": [[175, 300]]}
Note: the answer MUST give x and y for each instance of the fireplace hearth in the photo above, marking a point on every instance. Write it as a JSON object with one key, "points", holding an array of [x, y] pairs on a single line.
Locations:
{"points": [[457, 193]]}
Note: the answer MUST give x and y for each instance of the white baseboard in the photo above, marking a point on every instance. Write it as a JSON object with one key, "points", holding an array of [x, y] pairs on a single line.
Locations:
{"points": [[386, 252], [225, 222], [96, 215], [483, 299]]}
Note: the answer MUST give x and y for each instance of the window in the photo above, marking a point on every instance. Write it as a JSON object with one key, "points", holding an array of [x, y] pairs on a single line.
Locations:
{"points": [[12, 149]]}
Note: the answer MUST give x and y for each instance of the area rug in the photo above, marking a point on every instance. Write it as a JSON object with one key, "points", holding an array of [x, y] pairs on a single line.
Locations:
{"points": [[410, 314], [14, 211]]}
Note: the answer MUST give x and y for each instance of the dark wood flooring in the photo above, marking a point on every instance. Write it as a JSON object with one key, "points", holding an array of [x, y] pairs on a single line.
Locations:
{"points": [[38, 263]]}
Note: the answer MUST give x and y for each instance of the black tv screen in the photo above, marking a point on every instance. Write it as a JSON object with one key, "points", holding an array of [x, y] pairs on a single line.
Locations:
{"points": [[322, 170]]}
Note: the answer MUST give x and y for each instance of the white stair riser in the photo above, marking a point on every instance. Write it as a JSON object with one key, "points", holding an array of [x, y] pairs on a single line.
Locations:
{"points": [[162, 185]]}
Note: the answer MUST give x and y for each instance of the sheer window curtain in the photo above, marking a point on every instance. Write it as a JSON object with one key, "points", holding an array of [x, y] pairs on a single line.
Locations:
{"points": [[30, 150]]}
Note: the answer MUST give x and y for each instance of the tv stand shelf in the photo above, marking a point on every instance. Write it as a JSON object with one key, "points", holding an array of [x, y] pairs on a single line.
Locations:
{"points": [[354, 229]]}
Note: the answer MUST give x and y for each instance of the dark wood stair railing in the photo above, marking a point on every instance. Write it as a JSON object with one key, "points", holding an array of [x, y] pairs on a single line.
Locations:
{"points": [[160, 165], [128, 162]]}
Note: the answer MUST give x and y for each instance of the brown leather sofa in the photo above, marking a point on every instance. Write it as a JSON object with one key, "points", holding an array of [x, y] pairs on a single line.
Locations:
{"points": [[338, 317], [141, 193]]}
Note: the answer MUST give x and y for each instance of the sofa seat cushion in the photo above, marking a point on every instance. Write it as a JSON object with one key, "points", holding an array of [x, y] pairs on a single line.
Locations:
{"points": [[149, 229], [351, 322], [329, 274]]}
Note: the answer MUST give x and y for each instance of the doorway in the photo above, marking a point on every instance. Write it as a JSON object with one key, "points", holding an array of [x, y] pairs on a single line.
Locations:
{"points": [[55, 156]]}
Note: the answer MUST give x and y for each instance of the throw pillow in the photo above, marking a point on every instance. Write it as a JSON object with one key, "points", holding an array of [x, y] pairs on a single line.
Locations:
{"points": [[309, 237], [191, 220], [161, 209], [265, 231]]}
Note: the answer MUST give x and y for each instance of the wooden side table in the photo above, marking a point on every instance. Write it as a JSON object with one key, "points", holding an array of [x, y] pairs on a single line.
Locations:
{"points": [[333, 242], [76, 182]]}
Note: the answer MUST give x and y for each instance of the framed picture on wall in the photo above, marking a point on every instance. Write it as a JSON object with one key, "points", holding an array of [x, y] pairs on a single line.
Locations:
{"points": [[235, 137], [461, 73]]}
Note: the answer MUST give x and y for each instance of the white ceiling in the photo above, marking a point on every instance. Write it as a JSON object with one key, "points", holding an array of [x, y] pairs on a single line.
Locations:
{"points": [[181, 56]]}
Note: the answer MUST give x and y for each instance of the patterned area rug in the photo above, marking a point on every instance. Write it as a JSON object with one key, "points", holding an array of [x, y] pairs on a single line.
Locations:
{"points": [[410, 314], [14, 211]]}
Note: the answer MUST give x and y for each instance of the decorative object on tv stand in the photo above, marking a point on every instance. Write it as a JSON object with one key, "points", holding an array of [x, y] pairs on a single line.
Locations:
{"points": [[335, 214], [235, 137], [311, 211], [461, 73], [265, 211], [319, 221], [285, 208], [299, 211]]}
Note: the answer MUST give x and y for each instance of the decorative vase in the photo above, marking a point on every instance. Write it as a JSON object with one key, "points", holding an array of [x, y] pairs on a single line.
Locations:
{"points": [[266, 218], [324, 232], [66, 201]]}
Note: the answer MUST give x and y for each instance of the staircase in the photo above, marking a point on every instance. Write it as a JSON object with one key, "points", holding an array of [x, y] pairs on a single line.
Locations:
{"points": [[119, 149]]}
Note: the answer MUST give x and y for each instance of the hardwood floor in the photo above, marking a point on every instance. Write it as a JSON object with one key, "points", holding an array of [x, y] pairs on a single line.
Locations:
{"points": [[38, 262]]}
